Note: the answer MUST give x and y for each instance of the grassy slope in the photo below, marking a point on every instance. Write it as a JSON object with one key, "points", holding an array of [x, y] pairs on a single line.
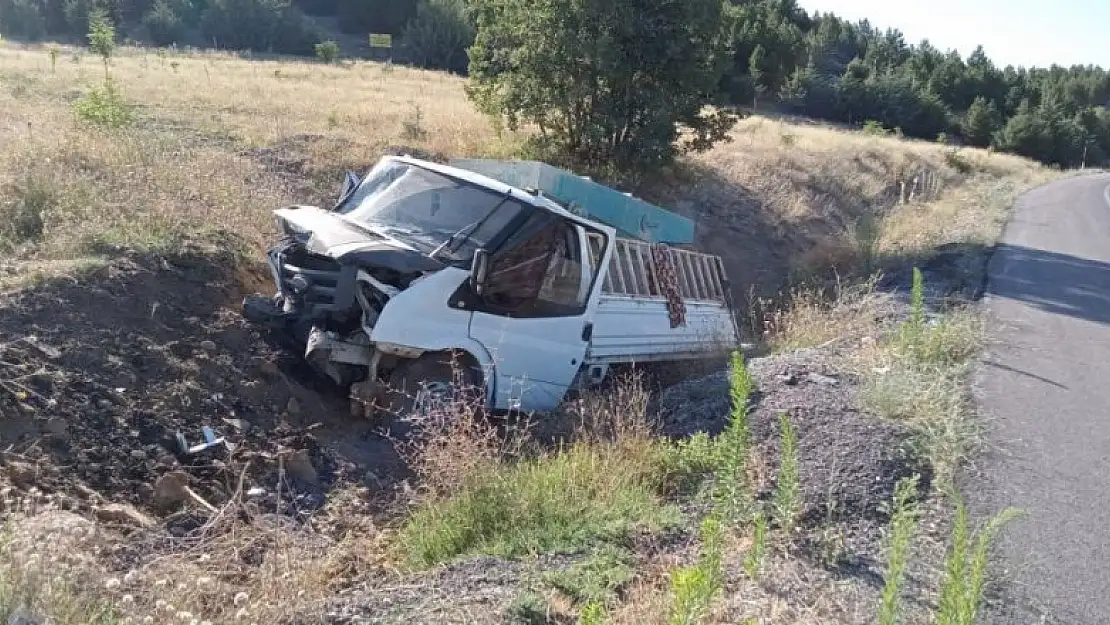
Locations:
{"points": [[219, 141]]}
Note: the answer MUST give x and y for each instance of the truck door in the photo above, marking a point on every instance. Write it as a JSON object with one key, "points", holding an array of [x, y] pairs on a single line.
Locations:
{"points": [[533, 316]]}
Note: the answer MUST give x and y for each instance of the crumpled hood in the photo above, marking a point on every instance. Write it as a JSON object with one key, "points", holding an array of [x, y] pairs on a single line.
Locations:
{"points": [[328, 234]]}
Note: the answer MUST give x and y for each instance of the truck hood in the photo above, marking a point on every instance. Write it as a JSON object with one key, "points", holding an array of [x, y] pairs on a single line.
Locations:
{"points": [[329, 234]]}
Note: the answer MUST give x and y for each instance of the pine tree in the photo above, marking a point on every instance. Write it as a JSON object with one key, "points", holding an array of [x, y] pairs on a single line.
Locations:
{"points": [[982, 122]]}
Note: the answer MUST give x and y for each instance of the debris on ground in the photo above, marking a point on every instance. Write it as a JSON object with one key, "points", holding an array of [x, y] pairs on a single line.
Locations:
{"points": [[104, 381]]}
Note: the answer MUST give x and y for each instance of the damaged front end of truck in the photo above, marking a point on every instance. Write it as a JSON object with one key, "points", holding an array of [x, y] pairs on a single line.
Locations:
{"points": [[332, 282], [335, 270]]}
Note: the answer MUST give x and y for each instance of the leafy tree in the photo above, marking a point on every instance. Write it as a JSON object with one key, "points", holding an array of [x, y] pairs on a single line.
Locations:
{"points": [[327, 51], [440, 35], [608, 83], [1024, 133], [163, 24], [982, 122]]}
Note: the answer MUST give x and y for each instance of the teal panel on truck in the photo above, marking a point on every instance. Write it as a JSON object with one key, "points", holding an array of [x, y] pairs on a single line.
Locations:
{"points": [[632, 217]]}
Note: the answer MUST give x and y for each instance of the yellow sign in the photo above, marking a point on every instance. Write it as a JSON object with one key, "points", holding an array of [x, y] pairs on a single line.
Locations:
{"points": [[381, 41]]}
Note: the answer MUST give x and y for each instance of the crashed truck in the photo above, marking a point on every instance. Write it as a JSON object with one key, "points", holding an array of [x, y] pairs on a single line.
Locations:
{"points": [[517, 280]]}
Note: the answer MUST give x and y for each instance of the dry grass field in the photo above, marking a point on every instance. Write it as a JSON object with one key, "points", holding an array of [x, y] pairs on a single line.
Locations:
{"points": [[218, 141]]}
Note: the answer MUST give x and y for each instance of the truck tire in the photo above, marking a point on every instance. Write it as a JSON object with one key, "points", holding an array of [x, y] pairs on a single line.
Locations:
{"points": [[430, 383]]}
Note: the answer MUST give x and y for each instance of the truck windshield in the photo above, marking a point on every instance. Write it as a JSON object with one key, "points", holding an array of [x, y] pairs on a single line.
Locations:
{"points": [[427, 209]]}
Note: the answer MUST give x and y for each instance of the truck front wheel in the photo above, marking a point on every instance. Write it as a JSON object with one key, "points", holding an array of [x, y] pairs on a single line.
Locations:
{"points": [[432, 386]]}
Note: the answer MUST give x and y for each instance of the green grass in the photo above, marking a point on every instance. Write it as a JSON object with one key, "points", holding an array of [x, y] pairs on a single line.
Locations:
{"points": [[903, 525], [598, 578], [581, 497], [918, 376]]}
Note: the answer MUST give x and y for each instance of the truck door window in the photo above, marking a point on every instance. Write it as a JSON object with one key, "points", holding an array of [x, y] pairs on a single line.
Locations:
{"points": [[538, 271]]}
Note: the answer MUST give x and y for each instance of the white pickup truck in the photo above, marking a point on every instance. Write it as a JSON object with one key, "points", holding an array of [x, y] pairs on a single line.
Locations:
{"points": [[422, 271]]}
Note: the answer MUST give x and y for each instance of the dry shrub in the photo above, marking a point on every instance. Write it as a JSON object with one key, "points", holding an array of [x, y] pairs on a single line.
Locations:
{"points": [[813, 317], [453, 441], [244, 567], [236, 566], [836, 254], [618, 414]]}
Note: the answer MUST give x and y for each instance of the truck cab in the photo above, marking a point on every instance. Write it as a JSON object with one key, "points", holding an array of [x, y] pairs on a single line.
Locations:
{"points": [[425, 275]]}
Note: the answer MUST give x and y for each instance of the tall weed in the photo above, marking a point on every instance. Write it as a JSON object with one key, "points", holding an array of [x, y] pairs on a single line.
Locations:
{"points": [[903, 524], [733, 494], [965, 569], [694, 588], [788, 490], [753, 561]]}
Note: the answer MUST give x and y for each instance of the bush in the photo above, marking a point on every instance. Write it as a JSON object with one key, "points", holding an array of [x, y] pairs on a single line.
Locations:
{"points": [[327, 51], [604, 103], [872, 127], [440, 35], [163, 25], [598, 578], [104, 106]]}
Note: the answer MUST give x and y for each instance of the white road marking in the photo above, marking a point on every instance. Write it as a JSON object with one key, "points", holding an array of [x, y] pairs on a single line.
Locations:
{"points": [[1106, 194]]}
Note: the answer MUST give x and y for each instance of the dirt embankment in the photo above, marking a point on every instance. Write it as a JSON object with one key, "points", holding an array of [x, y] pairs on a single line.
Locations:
{"points": [[100, 376]]}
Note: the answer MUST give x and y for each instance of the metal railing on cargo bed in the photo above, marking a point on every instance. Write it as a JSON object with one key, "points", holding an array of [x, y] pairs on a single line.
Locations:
{"points": [[634, 272]]}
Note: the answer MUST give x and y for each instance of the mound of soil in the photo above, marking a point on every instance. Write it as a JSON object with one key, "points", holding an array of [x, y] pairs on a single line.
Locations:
{"points": [[97, 379], [849, 461]]}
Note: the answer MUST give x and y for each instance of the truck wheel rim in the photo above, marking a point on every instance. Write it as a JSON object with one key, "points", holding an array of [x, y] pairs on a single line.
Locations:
{"points": [[432, 395]]}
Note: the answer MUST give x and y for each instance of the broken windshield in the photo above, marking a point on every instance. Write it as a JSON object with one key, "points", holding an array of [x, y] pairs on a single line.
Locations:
{"points": [[427, 209]]}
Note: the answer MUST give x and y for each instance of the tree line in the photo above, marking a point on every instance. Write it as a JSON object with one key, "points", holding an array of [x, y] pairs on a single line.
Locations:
{"points": [[754, 53]]}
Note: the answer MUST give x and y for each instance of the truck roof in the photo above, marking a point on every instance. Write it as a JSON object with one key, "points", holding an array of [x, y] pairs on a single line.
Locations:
{"points": [[631, 216], [493, 184]]}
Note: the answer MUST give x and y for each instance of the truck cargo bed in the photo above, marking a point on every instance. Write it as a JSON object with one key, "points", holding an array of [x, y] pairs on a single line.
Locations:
{"points": [[637, 329], [661, 303]]}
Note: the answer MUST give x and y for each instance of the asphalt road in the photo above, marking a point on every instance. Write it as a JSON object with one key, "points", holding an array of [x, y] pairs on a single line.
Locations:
{"points": [[1044, 389]]}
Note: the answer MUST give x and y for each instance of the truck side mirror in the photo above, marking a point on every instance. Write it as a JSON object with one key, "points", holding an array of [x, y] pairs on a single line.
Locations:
{"points": [[479, 271]]}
